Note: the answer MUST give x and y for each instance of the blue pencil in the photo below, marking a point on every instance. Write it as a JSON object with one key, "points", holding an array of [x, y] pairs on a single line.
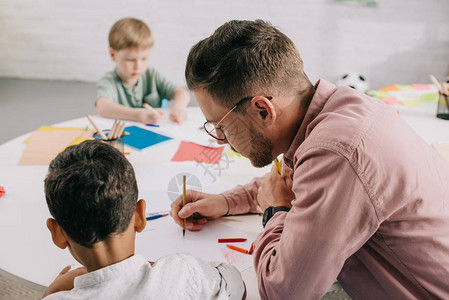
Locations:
{"points": [[152, 125], [154, 217]]}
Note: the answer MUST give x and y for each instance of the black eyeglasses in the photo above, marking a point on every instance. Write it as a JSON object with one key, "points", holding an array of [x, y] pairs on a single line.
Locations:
{"points": [[216, 131]]}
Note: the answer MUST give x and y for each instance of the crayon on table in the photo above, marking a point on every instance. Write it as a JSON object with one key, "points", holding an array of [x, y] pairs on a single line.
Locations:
{"points": [[231, 240], [237, 248], [251, 249]]}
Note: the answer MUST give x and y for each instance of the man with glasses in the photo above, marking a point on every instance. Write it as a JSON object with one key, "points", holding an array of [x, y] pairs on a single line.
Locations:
{"points": [[364, 198]]}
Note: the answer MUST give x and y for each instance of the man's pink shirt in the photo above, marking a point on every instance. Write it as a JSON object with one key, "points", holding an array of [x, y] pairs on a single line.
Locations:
{"points": [[371, 207]]}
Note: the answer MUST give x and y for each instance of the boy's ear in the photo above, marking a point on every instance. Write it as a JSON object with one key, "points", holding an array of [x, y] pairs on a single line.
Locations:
{"points": [[266, 112], [140, 218], [58, 237], [112, 53]]}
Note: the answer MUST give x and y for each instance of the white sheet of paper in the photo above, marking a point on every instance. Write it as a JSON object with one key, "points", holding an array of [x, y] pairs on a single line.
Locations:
{"points": [[163, 237], [189, 130], [161, 184]]}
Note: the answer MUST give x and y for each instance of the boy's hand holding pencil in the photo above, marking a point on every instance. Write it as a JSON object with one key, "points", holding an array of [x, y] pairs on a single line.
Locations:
{"points": [[150, 115]]}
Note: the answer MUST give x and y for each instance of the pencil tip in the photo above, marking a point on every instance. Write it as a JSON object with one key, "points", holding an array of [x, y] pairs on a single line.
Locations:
{"points": [[183, 233]]}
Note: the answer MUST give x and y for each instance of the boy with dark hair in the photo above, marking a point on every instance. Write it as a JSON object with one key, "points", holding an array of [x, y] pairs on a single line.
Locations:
{"points": [[91, 192]]}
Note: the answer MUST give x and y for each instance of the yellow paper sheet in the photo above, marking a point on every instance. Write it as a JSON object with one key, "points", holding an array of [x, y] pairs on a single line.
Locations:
{"points": [[43, 146], [50, 128]]}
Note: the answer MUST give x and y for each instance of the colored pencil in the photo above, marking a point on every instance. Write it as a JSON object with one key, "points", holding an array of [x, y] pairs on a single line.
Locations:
{"points": [[282, 167], [251, 249], [184, 203], [154, 217], [120, 129], [113, 130], [437, 84], [148, 107], [231, 240], [237, 248], [278, 165], [99, 132]]}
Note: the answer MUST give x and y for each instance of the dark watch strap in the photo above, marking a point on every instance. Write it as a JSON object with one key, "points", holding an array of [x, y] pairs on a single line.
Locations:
{"points": [[271, 211]]}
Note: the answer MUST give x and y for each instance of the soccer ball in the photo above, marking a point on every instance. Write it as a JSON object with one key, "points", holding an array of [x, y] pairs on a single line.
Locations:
{"points": [[355, 80]]}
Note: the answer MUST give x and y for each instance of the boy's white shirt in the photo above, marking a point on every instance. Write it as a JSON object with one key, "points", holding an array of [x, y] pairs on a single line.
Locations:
{"points": [[177, 276]]}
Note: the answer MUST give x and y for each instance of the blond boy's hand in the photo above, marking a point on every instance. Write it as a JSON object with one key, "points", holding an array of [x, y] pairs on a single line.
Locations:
{"points": [[150, 116], [64, 281], [178, 114]]}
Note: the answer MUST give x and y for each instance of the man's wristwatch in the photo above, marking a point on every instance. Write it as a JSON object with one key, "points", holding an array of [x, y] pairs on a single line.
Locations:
{"points": [[270, 211]]}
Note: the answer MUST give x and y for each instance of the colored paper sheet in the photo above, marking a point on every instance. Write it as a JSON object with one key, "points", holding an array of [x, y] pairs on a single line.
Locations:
{"points": [[411, 102], [377, 94], [140, 138], [189, 151], [43, 146], [443, 149], [233, 154], [86, 136], [389, 88], [418, 86], [391, 101], [428, 97], [405, 87]]}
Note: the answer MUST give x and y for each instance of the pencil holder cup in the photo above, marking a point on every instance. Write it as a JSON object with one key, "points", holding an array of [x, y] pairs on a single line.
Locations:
{"points": [[118, 143], [443, 106]]}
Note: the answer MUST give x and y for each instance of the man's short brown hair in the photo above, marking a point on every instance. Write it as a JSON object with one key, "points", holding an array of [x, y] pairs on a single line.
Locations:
{"points": [[130, 33], [242, 58]]}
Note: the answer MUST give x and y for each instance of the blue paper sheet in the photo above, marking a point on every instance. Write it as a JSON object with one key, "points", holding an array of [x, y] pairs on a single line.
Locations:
{"points": [[141, 138]]}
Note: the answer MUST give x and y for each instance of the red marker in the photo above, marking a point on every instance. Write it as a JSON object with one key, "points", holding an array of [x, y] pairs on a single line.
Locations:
{"points": [[251, 249], [237, 248], [231, 240]]}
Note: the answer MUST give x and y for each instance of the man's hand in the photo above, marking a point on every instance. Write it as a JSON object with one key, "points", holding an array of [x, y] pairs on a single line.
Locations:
{"points": [[178, 114], [199, 208], [275, 190], [64, 281]]}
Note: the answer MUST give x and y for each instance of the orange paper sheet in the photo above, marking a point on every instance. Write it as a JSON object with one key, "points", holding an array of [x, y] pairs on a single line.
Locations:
{"points": [[189, 151], [389, 88], [43, 146]]}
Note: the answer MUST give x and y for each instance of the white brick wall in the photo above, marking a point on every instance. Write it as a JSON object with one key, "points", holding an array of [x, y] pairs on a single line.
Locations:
{"points": [[400, 41]]}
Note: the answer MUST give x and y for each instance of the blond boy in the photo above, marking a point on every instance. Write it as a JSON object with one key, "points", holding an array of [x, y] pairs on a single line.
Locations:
{"points": [[123, 92]]}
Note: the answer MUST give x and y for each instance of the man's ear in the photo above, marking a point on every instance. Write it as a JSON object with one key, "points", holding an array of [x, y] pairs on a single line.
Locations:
{"points": [[112, 53], [266, 112], [140, 219], [57, 235]]}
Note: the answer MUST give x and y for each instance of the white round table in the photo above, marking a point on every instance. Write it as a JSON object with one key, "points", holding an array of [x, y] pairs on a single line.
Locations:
{"points": [[27, 250]]}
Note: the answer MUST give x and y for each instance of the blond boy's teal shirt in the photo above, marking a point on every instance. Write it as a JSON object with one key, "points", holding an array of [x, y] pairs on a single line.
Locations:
{"points": [[151, 88]]}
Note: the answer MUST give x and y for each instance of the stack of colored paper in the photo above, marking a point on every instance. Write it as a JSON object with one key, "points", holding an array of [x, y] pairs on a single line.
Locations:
{"points": [[45, 143], [410, 95]]}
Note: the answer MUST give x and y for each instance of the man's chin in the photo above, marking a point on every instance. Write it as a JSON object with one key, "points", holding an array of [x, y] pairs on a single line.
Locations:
{"points": [[259, 163]]}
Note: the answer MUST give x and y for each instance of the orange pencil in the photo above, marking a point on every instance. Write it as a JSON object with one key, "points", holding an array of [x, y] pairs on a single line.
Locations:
{"points": [[237, 248]]}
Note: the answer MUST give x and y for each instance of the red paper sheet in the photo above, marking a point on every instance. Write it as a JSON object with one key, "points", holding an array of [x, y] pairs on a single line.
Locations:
{"points": [[189, 151]]}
